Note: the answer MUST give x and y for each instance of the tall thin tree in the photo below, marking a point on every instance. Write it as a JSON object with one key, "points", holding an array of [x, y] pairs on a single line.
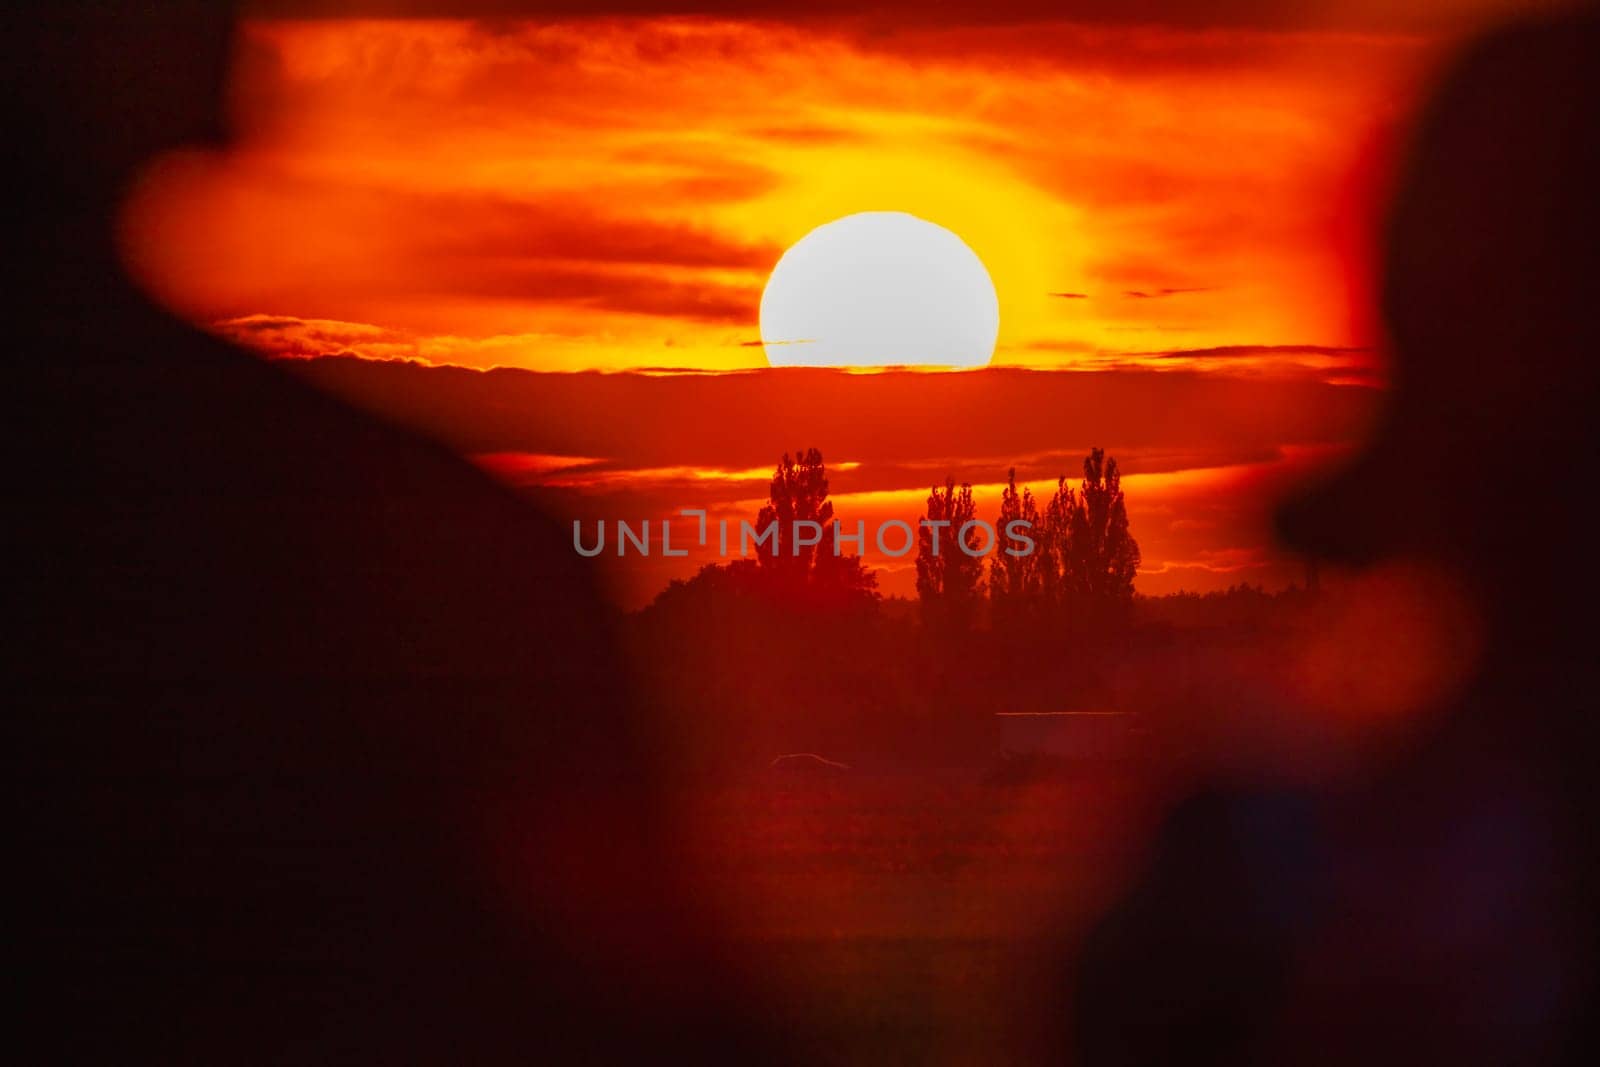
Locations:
{"points": [[798, 492], [1055, 542], [948, 577], [1015, 577], [804, 561], [1102, 555]]}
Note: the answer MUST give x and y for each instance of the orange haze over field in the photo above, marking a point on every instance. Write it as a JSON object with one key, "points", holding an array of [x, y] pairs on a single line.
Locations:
{"points": [[1176, 217]]}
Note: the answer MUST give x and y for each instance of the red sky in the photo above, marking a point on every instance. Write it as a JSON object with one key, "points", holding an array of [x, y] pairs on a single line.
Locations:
{"points": [[1175, 204]]}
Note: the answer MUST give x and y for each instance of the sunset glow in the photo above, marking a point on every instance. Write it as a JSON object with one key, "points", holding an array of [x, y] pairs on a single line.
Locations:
{"points": [[612, 193], [1141, 212]]}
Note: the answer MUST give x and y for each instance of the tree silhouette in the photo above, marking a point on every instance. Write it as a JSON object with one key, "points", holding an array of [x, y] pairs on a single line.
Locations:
{"points": [[839, 578], [798, 492], [1015, 579], [948, 577], [1055, 541], [809, 566], [1102, 556]]}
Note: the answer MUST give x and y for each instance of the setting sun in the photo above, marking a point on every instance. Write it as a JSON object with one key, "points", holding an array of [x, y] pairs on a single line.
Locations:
{"points": [[879, 288]]}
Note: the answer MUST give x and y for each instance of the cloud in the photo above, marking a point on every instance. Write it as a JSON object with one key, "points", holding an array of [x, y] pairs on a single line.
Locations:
{"points": [[531, 467], [893, 417], [631, 183], [291, 337], [808, 135], [1244, 351], [626, 291], [1190, 14], [285, 336], [1330, 364], [417, 260], [1204, 455], [565, 231], [1156, 294]]}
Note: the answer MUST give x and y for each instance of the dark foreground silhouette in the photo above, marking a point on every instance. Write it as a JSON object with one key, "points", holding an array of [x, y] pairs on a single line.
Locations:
{"points": [[1437, 909], [321, 751]]}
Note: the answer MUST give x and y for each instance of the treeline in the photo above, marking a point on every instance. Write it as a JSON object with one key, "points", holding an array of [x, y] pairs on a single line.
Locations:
{"points": [[1024, 564], [1077, 553], [791, 649]]}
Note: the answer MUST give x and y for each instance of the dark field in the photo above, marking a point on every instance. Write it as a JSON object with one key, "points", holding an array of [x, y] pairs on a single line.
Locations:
{"points": [[927, 913]]}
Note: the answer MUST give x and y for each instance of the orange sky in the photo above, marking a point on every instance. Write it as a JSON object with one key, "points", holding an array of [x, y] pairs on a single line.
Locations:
{"points": [[1167, 198]]}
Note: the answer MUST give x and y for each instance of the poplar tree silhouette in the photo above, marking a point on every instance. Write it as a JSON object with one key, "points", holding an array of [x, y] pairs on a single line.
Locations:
{"points": [[793, 565], [1102, 556], [798, 492], [947, 577], [1055, 540], [1015, 580], [1085, 553]]}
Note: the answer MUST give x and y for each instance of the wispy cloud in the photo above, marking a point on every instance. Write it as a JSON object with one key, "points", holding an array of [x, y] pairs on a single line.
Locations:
{"points": [[1156, 294], [1246, 351]]}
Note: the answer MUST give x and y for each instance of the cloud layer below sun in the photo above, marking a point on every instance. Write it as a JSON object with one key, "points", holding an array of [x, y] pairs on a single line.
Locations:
{"points": [[1204, 454]]}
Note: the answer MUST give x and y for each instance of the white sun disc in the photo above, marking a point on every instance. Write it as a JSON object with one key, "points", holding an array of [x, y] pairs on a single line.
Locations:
{"points": [[879, 288]]}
